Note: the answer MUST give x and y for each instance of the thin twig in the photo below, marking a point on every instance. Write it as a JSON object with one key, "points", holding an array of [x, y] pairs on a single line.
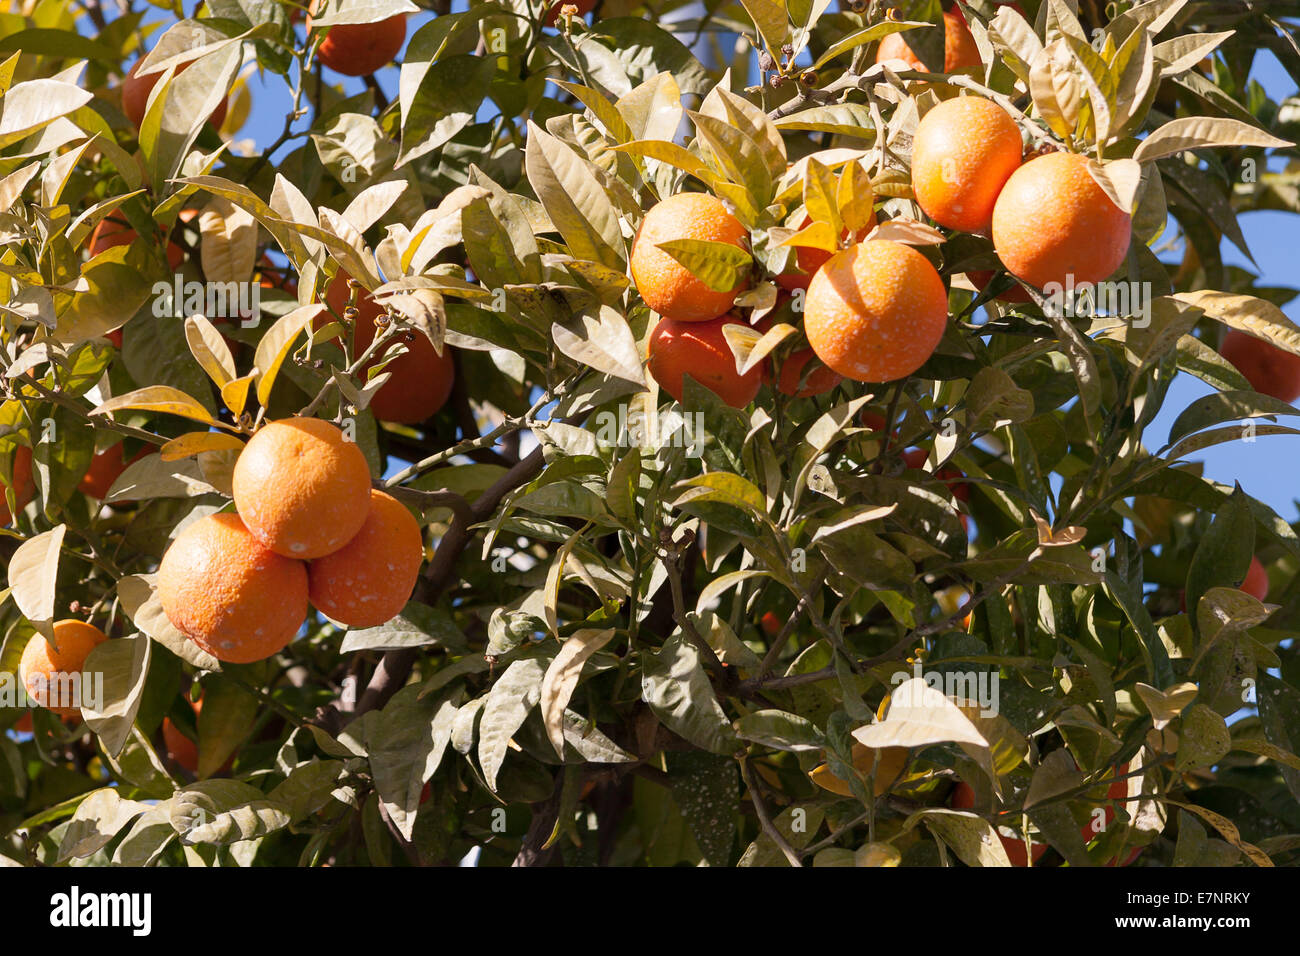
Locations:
{"points": [[764, 820]]}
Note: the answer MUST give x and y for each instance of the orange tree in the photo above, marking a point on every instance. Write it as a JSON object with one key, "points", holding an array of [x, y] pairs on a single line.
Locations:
{"points": [[903, 584]]}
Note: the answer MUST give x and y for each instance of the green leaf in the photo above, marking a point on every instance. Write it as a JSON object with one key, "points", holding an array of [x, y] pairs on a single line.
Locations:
{"points": [[974, 841], [574, 199], [780, 731], [124, 664], [706, 788], [1224, 552], [674, 684], [418, 625], [797, 825], [1204, 739], [99, 817], [515, 693], [1200, 132], [222, 812], [445, 102], [1225, 407]]}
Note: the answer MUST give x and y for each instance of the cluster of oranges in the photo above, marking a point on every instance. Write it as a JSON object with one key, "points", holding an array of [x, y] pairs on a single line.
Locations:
{"points": [[876, 310], [308, 527]]}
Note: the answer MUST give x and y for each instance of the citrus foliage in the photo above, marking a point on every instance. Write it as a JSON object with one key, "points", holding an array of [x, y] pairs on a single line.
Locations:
{"points": [[629, 644]]}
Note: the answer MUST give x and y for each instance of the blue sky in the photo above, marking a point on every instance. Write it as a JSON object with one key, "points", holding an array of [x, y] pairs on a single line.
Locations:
{"points": [[1270, 236]]}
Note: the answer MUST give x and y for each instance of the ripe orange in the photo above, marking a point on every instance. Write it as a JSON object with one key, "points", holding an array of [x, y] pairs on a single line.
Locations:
{"points": [[876, 311], [964, 152], [665, 284], [421, 380], [369, 580], [963, 798], [23, 484], [808, 259], [700, 350], [47, 673], [1269, 369], [114, 231], [136, 90], [181, 748], [980, 278], [105, 468], [301, 487], [959, 48], [1052, 221], [916, 458], [893, 761], [584, 7], [359, 49], [184, 750], [1256, 581], [821, 379], [227, 593]]}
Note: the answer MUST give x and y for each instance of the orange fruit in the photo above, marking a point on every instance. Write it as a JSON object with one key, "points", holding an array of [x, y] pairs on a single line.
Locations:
{"points": [[181, 748], [48, 672], [959, 48], [23, 484], [876, 311], [227, 593], [105, 468], [359, 49], [369, 580], [1256, 581], [893, 761], [136, 90], [980, 278], [1269, 369], [821, 379], [1052, 221], [700, 350], [421, 380], [963, 798], [916, 458], [964, 152], [665, 284], [301, 487], [809, 259], [114, 230]]}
